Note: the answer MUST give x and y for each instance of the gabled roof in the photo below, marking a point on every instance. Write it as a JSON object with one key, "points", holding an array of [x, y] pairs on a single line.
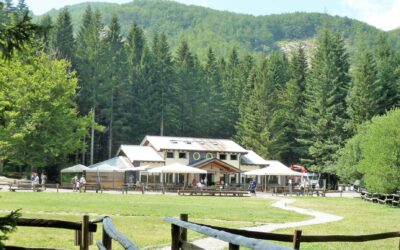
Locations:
{"points": [[119, 162], [192, 144], [140, 153], [252, 158], [223, 166]]}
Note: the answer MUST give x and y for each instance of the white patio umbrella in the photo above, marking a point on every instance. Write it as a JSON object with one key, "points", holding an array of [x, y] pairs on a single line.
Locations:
{"points": [[177, 168], [275, 168]]}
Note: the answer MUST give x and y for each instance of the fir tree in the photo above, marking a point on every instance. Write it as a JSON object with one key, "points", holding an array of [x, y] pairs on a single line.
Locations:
{"points": [[322, 126], [63, 42]]}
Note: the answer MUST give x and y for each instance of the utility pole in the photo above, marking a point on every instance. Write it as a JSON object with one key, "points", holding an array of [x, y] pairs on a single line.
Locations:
{"points": [[92, 138]]}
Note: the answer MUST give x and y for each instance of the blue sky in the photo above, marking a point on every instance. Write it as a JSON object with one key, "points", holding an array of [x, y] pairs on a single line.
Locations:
{"points": [[383, 14]]}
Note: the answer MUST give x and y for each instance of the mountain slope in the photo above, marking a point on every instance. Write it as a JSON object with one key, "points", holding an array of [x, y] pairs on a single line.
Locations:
{"points": [[204, 27]]}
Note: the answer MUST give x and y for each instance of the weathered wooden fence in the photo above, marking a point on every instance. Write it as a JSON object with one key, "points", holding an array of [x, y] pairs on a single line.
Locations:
{"points": [[110, 233], [82, 229], [179, 235]]}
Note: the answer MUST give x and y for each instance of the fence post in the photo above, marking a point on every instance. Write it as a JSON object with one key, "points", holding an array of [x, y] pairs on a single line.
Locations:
{"points": [[57, 186], [184, 217], [175, 237], [296, 239], [143, 187], [85, 233], [233, 247], [106, 240]]}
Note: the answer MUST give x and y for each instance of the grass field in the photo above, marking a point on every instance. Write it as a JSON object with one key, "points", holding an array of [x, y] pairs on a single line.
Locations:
{"points": [[359, 217], [139, 217]]}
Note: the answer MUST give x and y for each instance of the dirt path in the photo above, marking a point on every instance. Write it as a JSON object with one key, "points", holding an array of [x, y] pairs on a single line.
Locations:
{"points": [[318, 218]]}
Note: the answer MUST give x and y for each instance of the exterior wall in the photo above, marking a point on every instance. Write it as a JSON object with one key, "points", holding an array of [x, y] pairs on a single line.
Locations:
{"points": [[176, 157], [235, 163], [250, 167], [151, 164], [203, 155]]}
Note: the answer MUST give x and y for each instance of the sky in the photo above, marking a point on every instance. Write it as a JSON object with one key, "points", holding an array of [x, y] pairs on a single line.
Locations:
{"points": [[383, 14]]}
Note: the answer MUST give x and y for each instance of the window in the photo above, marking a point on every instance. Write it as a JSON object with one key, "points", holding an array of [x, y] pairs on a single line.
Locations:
{"points": [[196, 156], [233, 157], [209, 156], [170, 154], [222, 156], [182, 155]]}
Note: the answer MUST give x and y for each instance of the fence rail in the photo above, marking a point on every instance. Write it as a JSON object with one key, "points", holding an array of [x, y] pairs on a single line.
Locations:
{"points": [[179, 237], [295, 238], [110, 233]]}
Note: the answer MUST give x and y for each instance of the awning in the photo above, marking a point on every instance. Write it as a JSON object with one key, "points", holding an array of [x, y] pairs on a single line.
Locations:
{"points": [[75, 169], [275, 168]]}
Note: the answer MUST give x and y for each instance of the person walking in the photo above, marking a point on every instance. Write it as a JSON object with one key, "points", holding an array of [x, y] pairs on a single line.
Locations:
{"points": [[252, 187]]}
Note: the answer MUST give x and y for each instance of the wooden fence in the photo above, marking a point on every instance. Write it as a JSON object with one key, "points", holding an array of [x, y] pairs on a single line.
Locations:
{"points": [[179, 235], [82, 229]]}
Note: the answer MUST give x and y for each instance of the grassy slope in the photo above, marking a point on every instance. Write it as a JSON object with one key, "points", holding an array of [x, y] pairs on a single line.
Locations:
{"points": [[136, 216]]}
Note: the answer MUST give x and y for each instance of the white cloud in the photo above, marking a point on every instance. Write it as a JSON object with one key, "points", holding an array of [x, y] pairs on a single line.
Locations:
{"points": [[383, 14]]}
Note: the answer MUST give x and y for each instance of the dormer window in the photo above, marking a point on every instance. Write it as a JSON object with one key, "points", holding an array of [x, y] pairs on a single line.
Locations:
{"points": [[170, 154], [222, 156], [233, 157], [182, 155]]}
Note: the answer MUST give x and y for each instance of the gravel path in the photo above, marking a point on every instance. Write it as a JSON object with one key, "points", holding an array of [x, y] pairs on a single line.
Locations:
{"points": [[318, 218]]}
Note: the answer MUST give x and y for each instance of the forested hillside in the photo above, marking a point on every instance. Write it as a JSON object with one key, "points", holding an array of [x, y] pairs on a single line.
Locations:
{"points": [[203, 27], [136, 80]]}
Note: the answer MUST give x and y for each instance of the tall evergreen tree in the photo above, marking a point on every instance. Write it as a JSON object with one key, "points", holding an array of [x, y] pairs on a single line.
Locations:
{"points": [[188, 92], [291, 100], [63, 42], [114, 90], [365, 92], [322, 126], [388, 74], [89, 55]]}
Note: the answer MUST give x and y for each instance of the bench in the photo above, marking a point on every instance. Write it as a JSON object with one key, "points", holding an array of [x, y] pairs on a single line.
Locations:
{"points": [[212, 192], [25, 185]]}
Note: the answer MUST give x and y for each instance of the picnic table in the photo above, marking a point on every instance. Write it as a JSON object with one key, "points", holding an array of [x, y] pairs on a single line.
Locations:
{"points": [[25, 185]]}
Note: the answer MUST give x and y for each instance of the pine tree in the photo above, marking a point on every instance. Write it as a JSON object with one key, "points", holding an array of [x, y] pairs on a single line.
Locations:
{"points": [[188, 92], [388, 75], [114, 90], [365, 92], [89, 55], [291, 100], [322, 126], [63, 42]]}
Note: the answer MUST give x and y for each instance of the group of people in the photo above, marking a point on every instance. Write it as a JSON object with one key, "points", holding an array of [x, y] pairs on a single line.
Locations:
{"points": [[199, 184], [36, 181], [78, 184]]}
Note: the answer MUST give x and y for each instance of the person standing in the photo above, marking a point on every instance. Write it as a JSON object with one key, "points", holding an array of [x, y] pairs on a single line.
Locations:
{"points": [[82, 184], [43, 178], [74, 182]]}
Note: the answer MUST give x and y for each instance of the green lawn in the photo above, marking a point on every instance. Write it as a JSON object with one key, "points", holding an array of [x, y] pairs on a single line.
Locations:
{"points": [[139, 217], [359, 217]]}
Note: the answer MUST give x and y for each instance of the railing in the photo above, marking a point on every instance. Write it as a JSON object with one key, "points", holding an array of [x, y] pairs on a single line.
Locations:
{"points": [[179, 235], [83, 230], [110, 233]]}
